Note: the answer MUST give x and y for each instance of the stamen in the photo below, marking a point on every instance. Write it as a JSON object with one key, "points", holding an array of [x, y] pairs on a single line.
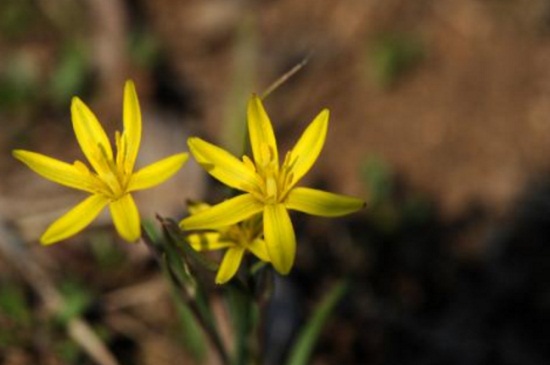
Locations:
{"points": [[287, 159], [110, 174], [81, 167], [271, 188], [119, 148], [248, 163], [266, 155], [290, 162], [289, 179], [117, 140], [106, 160]]}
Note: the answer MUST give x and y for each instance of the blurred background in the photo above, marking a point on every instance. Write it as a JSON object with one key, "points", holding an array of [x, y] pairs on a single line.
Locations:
{"points": [[440, 119]]}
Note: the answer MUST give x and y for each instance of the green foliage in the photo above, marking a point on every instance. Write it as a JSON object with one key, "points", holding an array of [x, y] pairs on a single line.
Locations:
{"points": [[15, 17], [13, 304], [77, 300], [195, 260], [379, 180], [305, 343], [244, 314], [15, 314], [68, 350], [69, 76], [182, 267], [193, 337], [105, 252], [390, 209], [244, 62], [143, 48], [18, 81], [394, 55]]}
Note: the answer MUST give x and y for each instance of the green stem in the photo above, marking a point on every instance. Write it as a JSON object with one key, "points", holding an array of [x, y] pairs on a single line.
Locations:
{"points": [[189, 295]]}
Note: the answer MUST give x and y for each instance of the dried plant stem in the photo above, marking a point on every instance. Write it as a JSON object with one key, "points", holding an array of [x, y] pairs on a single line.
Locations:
{"points": [[281, 80], [13, 249]]}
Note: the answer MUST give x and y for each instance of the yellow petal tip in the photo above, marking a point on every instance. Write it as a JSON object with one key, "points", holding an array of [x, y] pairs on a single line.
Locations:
{"points": [[75, 100], [192, 141], [16, 154], [282, 270], [47, 241]]}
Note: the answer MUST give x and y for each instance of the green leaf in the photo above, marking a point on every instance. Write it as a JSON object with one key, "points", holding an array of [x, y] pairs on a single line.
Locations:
{"points": [[194, 340], [107, 255], [143, 48], [16, 18], [14, 305], [182, 271], [244, 313], [393, 56], [192, 257], [303, 347], [244, 61], [19, 80], [379, 179], [77, 300], [69, 76]]}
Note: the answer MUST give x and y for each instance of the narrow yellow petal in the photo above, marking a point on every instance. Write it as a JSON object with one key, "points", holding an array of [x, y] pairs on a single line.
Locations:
{"points": [[195, 207], [132, 125], [224, 166], [230, 264], [57, 171], [279, 237], [91, 136], [229, 212], [258, 248], [207, 241], [75, 220], [322, 203], [126, 218], [307, 149], [157, 172], [261, 133]]}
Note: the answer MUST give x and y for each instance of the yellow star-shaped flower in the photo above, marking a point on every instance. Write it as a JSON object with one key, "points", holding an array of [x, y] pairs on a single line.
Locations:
{"points": [[237, 239], [113, 177], [270, 188]]}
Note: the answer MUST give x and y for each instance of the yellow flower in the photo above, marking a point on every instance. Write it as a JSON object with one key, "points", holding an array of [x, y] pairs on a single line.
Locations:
{"points": [[237, 239], [112, 178], [270, 188]]}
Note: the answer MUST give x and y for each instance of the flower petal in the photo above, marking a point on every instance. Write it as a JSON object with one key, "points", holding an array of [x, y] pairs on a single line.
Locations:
{"points": [[258, 248], [279, 237], [322, 203], [197, 206], [307, 149], [74, 220], [261, 133], [126, 218], [224, 166], [229, 212], [230, 264], [207, 241], [157, 172], [91, 136], [57, 171], [132, 125]]}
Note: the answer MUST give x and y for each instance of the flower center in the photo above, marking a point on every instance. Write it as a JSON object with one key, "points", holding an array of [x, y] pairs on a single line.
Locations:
{"points": [[277, 181], [244, 233], [112, 172]]}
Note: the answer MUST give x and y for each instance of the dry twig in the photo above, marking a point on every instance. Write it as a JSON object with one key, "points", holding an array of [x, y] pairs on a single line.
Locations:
{"points": [[22, 260]]}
